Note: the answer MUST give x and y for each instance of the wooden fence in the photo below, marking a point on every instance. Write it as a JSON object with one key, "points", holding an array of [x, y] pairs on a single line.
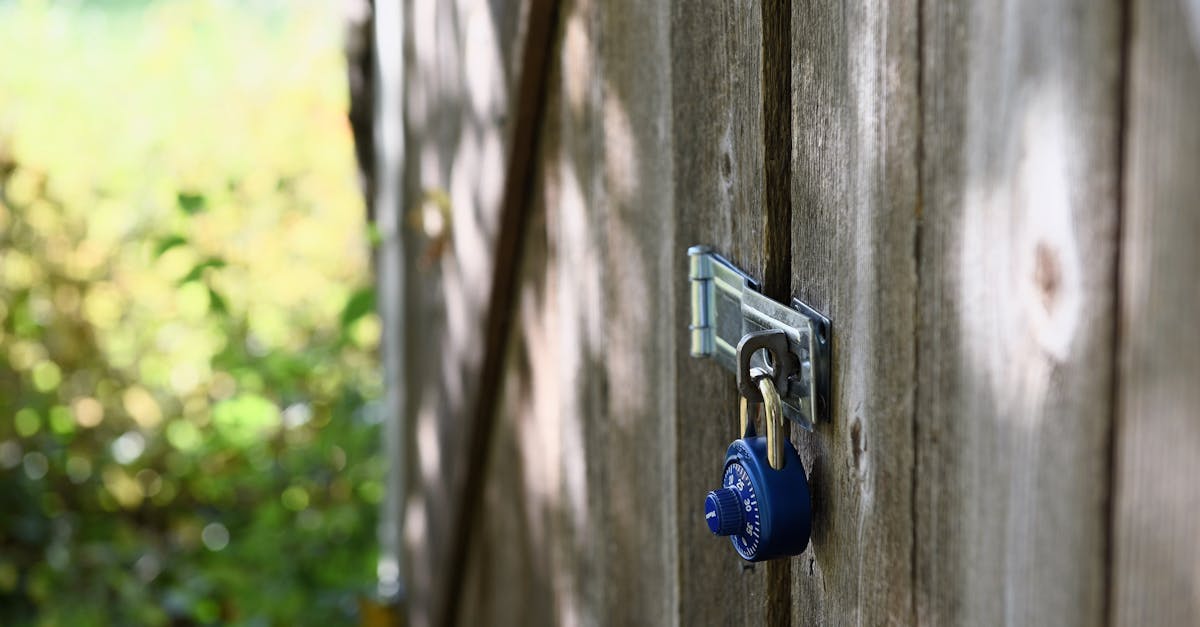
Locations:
{"points": [[996, 203]]}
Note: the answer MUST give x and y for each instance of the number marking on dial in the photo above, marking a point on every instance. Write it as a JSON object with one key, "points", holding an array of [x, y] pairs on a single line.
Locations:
{"points": [[737, 478]]}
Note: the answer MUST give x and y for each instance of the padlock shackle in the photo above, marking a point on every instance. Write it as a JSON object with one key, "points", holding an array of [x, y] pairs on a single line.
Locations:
{"points": [[744, 417], [774, 419]]}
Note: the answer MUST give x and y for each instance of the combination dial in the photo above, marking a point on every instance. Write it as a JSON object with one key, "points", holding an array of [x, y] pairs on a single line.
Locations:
{"points": [[765, 512], [733, 511]]}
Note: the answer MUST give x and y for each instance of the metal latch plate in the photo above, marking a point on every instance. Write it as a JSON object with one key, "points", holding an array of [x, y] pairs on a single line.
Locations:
{"points": [[727, 304]]}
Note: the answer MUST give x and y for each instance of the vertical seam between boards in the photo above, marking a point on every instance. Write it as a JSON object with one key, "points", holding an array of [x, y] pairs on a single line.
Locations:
{"points": [[1124, 95], [914, 571], [776, 85]]}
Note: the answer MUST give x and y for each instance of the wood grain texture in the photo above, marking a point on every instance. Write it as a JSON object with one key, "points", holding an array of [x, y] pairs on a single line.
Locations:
{"points": [[1156, 570], [1020, 110], [641, 319], [954, 179], [586, 448], [542, 534], [856, 206], [716, 124], [611, 498], [528, 110], [459, 62], [512, 572], [576, 186]]}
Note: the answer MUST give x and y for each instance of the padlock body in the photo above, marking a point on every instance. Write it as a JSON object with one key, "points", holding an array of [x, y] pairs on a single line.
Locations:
{"points": [[777, 504]]}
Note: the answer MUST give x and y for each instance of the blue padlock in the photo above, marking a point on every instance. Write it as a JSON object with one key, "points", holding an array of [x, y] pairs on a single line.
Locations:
{"points": [[764, 505]]}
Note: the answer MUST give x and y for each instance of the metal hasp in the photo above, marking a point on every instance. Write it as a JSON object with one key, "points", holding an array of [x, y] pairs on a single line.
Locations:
{"points": [[728, 306]]}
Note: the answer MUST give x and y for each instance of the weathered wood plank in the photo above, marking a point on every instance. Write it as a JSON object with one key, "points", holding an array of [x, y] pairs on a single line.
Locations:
{"points": [[716, 126], [459, 70], [513, 570], [585, 460], [589, 398], [528, 112], [639, 483], [542, 532], [1156, 571], [962, 478], [857, 203], [576, 222], [1020, 109]]}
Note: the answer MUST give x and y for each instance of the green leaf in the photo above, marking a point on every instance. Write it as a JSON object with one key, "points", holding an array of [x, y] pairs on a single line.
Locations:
{"points": [[360, 303], [191, 203], [167, 243], [217, 302], [197, 271], [246, 418]]}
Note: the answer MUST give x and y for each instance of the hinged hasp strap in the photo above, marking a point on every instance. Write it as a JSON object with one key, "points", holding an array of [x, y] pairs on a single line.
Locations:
{"points": [[727, 306]]}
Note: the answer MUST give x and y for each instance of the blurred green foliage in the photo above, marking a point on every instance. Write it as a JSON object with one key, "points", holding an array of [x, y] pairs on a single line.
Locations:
{"points": [[186, 336]]}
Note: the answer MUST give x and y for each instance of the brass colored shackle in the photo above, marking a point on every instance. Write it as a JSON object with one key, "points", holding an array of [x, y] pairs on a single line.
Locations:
{"points": [[774, 417]]}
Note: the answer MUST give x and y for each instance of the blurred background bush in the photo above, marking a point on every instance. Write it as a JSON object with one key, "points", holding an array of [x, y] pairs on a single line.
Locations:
{"points": [[186, 330]]}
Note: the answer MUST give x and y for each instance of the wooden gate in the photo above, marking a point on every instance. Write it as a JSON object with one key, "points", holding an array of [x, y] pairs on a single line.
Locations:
{"points": [[994, 202]]}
